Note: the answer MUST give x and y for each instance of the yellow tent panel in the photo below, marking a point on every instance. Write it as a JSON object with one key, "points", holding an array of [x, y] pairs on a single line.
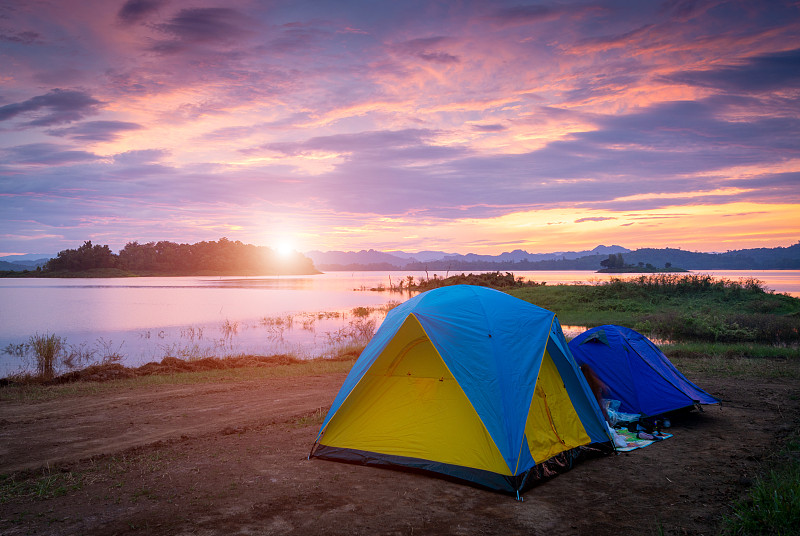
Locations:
{"points": [[408, 404], [553, 425]]}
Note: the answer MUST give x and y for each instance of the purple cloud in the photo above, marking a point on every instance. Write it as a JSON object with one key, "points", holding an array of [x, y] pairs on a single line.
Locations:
{"points": [[26, 37], [45, 154], [597, 218], [490, 128], [296, 38], [359, 142], [134, 11], [426, 49], [767, 72], [96, 130], [143, 156], [61, 105], [194, 26], [522, 14]]}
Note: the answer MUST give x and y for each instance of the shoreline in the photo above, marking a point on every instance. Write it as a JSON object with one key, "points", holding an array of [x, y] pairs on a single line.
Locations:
{"points": [[103, 372]]}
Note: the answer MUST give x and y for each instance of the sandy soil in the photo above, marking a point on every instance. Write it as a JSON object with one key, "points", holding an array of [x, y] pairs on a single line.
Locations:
{"points": [[231, 459]]}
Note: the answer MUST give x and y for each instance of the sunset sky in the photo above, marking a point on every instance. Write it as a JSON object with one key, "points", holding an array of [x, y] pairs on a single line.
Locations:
{"points": [[481, 126]]}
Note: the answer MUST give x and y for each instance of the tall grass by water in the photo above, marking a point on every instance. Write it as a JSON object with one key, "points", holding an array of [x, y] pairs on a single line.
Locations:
{"points": [[677, 307], [47, 349], [55, 358]]}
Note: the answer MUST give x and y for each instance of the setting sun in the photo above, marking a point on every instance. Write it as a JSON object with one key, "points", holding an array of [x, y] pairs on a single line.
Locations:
{"points": [[284, 248]]}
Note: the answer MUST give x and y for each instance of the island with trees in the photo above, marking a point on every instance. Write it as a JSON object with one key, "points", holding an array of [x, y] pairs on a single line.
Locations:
{"points": [[221, 257], [615, 264]]}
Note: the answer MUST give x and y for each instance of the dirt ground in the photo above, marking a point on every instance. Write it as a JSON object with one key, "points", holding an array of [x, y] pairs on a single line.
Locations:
{"points": [[230, 459]]}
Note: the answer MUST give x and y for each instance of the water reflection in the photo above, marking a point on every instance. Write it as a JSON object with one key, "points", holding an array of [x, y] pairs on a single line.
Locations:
{"points": [[146, 318], [272, 283], [303, 335]]}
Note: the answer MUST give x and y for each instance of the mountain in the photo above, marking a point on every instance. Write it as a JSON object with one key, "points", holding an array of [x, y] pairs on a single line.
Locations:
{"points": [[779, 258], [18, 263], [342, 259], [422, 256], [377, 260], [28, 257]]}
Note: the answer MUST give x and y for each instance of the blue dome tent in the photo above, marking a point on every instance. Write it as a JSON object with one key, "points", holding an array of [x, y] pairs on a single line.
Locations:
{"points": [[636, 372]]}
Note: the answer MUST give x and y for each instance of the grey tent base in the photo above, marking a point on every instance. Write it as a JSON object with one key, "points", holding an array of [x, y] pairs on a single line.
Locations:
{"points": [[537, 474]]}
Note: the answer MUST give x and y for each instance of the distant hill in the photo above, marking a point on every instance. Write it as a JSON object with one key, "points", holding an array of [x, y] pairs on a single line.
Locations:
{"points": [[377, 260], [780, 258], [18, 263], [27, 257], [363, 257]]}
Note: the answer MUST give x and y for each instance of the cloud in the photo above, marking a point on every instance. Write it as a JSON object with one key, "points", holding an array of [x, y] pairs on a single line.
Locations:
{"points": [[142, 156], [45, 154], [767, 187], [26, 37], [135, 11], [698, 131], [426, 49], [61, 106], [615, 40], [597, 218], [766, 72], [295, 38], [194, 26], [684, 10], [524, 14], [355, 143], [496, 127], [66, 75], [96, 130]]}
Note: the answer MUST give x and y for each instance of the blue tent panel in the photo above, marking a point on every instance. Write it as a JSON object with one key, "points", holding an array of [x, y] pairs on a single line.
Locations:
{"points": [[635, 371]]}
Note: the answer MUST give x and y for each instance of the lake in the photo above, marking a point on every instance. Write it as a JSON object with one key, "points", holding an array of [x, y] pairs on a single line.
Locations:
{"points": [[147, 318]]}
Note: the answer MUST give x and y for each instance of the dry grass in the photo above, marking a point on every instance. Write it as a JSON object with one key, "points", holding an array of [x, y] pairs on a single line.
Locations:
{"points": [[247, 371]]}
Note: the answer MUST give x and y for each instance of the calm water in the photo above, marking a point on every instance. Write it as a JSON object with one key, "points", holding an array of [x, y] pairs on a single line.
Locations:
{"points": [[145, 319]]}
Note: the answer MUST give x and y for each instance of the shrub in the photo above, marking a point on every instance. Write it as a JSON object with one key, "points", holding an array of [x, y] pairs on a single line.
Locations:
{"points": [[46, 349]]}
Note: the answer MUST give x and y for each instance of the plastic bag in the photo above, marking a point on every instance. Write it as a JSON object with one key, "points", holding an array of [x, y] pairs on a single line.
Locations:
{"points": [[615, 416]]}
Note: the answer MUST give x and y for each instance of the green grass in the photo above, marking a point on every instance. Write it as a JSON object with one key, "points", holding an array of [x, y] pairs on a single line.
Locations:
{"points": [[676, 307], [313, 418], [739, 367], [773, 505], [676, 350], [46, 485]]}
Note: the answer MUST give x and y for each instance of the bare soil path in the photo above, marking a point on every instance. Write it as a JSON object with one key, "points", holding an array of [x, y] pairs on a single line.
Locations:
{"points": [[214, 459]]}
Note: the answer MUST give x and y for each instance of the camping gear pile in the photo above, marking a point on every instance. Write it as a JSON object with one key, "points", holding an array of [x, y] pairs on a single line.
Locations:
{"points": [[475, 385]]}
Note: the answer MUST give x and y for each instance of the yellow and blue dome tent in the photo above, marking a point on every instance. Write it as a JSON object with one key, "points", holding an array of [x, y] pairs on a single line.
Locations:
{"points": [[467, 382]]}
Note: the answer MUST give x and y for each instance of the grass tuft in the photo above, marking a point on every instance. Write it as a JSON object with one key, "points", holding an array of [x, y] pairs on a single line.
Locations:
{"points": [[773, 505], [46, 349], [45, 486]]}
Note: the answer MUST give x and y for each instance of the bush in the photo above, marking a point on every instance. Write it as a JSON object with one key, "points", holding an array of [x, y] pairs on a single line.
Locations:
{"points": [[46, 349], [494, 280], [693, 325]]}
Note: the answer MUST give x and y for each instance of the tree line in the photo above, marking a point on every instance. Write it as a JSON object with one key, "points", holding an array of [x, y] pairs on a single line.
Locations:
{"points": [[221, 257]]}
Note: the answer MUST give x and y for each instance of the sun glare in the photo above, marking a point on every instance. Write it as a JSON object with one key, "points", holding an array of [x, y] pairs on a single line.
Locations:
{"points": [[284, 248]]}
